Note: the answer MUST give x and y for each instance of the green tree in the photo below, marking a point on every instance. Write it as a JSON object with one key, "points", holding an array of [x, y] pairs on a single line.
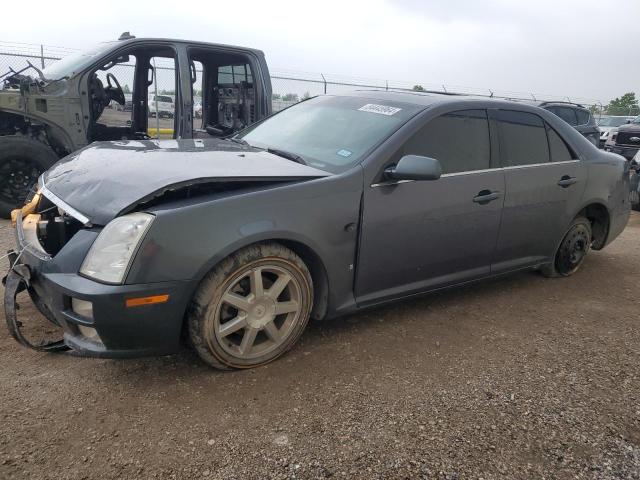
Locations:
{"points": [[306, 95], [276, 96], [126, 89], [418, 88], [627, 104], [291, 97]]}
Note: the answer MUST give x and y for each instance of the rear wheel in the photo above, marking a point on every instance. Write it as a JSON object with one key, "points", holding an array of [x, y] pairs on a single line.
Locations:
{"points": [[634, 198], [22, 161], [572, 250], [251, 308]]}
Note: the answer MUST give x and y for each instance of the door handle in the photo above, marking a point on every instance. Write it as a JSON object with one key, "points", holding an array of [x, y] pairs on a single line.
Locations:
{"points": [[567, 181], [486, 196]]}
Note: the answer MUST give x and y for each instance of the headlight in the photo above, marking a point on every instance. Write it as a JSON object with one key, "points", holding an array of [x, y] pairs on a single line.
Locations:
{"points": [[110, 255]]}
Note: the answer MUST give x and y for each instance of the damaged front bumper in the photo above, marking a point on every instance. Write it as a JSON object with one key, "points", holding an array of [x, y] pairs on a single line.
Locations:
{"points": [[95, 317]]}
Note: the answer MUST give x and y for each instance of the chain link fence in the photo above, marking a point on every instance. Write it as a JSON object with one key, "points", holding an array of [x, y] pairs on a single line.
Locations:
{"points": [[289, 87]]}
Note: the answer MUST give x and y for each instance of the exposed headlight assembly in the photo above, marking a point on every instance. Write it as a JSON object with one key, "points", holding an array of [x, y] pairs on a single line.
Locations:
{"points": [[110, 255]]}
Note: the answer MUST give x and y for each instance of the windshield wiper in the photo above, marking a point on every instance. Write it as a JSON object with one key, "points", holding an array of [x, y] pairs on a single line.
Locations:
{"points": [[288, 155]]}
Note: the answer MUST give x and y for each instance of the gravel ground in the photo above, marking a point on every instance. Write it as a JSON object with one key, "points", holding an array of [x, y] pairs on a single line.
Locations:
{"points": [[521, 377]]}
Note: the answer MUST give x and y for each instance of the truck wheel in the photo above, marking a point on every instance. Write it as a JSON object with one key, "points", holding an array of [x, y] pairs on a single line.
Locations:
{"points": [[572, 250], [22, 160], [251, 308]]}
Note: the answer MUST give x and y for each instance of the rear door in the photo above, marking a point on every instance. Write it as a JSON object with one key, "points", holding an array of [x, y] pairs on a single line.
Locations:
{"points": [[420, 235], [228, 89], [544, 185]]}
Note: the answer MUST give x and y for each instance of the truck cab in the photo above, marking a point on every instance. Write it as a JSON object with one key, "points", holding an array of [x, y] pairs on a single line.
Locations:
{"points": [[109, 92]]}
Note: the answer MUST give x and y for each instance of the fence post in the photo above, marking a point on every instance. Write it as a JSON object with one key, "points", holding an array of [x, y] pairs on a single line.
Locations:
{"points": [[324, 80], [42, 55]]}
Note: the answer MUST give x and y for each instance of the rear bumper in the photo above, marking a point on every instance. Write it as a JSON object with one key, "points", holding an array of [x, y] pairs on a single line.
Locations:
{"points": [[122, 331]]}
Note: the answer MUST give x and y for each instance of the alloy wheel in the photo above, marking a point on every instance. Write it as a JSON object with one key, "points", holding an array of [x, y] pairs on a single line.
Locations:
{"points": [[258, 311]]}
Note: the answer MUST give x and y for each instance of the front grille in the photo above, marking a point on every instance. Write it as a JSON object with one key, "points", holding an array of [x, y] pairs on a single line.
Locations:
{"points": [[625, 138]]}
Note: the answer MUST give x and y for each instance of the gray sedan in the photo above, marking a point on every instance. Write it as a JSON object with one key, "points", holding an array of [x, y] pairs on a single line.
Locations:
{"points": [[336, 204]]}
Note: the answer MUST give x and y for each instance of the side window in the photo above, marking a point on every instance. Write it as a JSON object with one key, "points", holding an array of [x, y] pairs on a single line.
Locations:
{"points": [[583, 116], [235, 97], [108, 111], [197, 89], [523, 139], [162, 97], [458, 140], [565, 113], [558, 148]]}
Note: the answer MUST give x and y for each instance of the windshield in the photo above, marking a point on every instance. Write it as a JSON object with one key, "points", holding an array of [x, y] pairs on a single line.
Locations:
{"points": [[76, 62], [612, 121], [164, 99], [636, 120], [331, 133]]}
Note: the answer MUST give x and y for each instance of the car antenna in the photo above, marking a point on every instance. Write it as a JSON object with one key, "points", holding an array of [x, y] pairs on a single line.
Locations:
{"points": [[126, 36]]}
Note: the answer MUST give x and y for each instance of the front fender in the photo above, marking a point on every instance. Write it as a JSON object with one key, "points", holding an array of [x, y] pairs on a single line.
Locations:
{"points": [[186, 242]]}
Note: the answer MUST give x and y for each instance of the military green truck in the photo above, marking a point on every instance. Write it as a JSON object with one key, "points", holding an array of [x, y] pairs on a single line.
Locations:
{"points": [[103, 94]]}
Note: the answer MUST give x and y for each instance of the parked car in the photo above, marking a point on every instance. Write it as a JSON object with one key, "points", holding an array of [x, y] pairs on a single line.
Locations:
{"points": [[54, 113], [626, 141], [608, 125], [197, 110], [577, 116], [336, 204], [161, 105]]}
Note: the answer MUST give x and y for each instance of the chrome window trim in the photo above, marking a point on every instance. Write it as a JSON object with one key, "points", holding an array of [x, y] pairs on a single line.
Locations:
{"points": [[446, 175], [62, 204], [469, 172], [531, 165]]}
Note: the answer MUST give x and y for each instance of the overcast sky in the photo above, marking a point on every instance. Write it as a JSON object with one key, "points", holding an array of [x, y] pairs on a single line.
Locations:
{"points": [[576, 48]]}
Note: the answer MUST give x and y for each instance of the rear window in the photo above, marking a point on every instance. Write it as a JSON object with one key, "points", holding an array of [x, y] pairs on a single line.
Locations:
{"points": [[557, 147], [164, 99], [523, 138]]}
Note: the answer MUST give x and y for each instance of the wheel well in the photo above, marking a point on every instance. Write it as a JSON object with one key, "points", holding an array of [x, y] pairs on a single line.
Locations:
{"points": [[318, 275], [14, 124], [598, 215]]}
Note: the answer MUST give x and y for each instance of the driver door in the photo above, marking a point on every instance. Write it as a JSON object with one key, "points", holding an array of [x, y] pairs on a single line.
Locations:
{"points": [[422, 235]]}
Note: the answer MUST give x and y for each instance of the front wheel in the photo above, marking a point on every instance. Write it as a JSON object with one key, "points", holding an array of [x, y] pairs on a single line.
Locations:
{"points": [[572, 250], [251, 308]]}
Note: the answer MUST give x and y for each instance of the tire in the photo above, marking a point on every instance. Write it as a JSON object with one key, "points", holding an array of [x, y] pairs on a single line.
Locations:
{"points": [[572, 250], [22, 160], [237, 320], [634, 198]]}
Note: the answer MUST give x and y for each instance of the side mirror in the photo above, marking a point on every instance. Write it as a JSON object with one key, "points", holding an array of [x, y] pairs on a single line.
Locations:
{"points": [[414, 167]]}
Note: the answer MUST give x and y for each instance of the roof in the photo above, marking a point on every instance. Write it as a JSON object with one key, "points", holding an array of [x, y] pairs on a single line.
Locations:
{"points": [[416, 98], [135, 40], [428, 99]]}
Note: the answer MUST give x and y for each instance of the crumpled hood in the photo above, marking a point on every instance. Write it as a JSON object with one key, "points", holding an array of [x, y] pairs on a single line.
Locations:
{"points": [[109, 178]]}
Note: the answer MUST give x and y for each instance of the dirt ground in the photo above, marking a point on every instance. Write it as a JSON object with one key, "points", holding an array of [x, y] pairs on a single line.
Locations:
{"points": [[521, 377]]}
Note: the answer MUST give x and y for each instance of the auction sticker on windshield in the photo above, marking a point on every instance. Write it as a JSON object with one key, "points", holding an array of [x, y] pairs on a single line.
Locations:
{"points": [[380, 109]]}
